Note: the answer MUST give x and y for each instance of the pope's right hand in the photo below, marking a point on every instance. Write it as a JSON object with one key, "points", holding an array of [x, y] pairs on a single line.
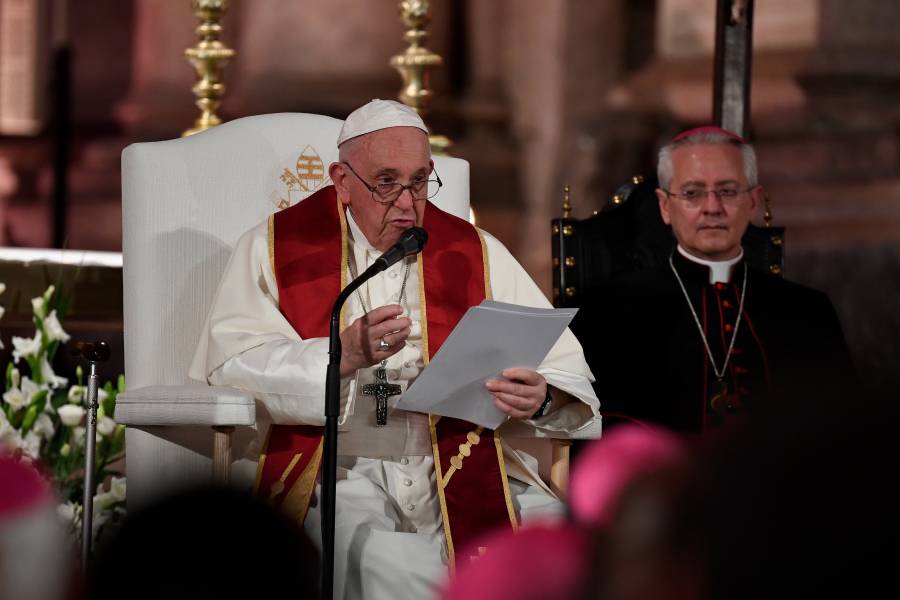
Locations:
{"points": [[361, 342]]}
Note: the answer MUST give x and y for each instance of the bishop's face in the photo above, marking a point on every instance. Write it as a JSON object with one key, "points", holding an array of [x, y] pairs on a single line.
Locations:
{"points": [[396, 154], [711, 227]]}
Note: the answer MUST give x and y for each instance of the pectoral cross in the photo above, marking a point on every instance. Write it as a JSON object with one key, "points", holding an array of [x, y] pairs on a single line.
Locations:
{"points": [[382, 390]]}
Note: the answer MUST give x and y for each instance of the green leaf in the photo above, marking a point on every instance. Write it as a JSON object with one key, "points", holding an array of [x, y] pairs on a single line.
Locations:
{"points": [[39, 399], [120, 383], [15, 419], [31, 416], [51, 350], [109, 404], [35, 366], [118, 439], [59, 399], [9, 372]]}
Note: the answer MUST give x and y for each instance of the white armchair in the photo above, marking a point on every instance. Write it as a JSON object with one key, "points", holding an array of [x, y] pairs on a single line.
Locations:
{"points": [[185, 204]]}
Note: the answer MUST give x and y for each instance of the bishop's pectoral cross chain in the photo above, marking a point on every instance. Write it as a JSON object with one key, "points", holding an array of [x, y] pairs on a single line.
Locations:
{"points": [[381, 389]]}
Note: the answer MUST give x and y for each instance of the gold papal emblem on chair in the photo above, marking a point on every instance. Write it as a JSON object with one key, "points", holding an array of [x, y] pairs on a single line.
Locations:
{"points": [[308, 176]]}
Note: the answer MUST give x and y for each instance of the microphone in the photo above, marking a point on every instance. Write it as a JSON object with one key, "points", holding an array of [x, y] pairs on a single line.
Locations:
{"points": [[411, 242]]}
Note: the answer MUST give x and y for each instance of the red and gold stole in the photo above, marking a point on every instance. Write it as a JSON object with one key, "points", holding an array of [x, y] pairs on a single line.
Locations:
{"points": [[308, 248]]}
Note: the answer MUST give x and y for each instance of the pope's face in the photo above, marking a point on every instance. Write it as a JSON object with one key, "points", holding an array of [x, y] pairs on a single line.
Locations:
{"points": [[712, 227], [396, 154]]}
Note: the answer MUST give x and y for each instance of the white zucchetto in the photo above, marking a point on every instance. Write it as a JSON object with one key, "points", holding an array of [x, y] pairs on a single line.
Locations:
{"points": [[379, 114]]}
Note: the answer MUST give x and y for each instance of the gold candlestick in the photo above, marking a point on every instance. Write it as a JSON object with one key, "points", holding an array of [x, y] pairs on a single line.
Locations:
{"points": [[415, 64], [208, 58]]}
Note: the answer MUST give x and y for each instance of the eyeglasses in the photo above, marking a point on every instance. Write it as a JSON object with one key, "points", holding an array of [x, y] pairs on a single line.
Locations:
{"points": [[419, 189], [693, 197]]}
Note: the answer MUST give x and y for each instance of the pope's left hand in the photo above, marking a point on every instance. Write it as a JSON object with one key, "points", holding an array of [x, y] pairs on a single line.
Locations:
{"points": [[522, 395]]}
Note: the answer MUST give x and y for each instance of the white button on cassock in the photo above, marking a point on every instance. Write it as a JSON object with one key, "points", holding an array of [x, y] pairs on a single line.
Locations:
{"points": [[407, 482], [404, 461]]}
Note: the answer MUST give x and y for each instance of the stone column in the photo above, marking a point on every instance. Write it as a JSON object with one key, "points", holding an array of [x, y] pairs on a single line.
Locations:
{"points": [[561, 58]]}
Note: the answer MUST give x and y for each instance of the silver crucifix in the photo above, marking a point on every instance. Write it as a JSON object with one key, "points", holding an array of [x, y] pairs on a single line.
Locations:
{"points": [[382, 390]]}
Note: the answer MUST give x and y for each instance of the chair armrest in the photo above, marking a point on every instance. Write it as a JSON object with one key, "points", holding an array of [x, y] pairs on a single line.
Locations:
{"points": [[195, 404]]}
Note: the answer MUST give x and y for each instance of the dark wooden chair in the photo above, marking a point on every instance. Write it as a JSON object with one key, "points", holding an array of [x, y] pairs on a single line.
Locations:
{"points": [[628, 234]]}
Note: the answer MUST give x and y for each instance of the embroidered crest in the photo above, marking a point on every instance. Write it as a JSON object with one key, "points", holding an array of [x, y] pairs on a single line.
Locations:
{"points": [[307, 177]]}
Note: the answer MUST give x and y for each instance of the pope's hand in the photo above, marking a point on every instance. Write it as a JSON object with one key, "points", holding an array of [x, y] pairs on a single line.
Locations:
{"points": [[522, 395], [363, 342]]}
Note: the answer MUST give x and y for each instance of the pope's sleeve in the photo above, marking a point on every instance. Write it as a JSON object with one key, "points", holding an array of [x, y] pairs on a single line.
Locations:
{"points": [[564, 368], [248, 344]]}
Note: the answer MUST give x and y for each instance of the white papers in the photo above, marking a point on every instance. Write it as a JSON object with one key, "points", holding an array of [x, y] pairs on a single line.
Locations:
{"points": [[491, 337]]}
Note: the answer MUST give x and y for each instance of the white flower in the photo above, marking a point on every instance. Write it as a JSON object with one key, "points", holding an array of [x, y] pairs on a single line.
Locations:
{"points": [[78, 434], [116, 493], [30, 389], [53, 328], [118, 488], [69, 512], [51, 378], [71, 415], [44, 426], [31, 445], [77, 394], [9, 435], [37, 305], [106, 426], [25, 347], [2, 310], [2, 287], [14, 398]]}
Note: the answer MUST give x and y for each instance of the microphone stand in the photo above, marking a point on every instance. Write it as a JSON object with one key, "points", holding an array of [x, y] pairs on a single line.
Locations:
{"points": [[412, 242], [332, 411], [93, 352]]}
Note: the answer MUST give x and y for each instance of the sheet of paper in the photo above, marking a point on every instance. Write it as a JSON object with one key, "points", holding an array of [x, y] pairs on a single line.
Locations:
{"points": [[491, 337]]}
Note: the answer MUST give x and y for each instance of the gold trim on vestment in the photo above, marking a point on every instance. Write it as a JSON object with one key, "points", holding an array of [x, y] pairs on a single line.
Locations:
{"points": [[488, 293], [271, 234], [262, 461], [423, 314], [472, 438], [296, 503], [439, 484], [278, 486], [505, 479]]}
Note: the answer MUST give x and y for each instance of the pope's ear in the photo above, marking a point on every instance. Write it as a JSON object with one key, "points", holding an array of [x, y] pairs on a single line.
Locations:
{"points": [[663, 205], [338, 175]]}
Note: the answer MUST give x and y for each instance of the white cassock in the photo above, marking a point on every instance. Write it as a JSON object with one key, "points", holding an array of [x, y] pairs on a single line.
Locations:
{"points": [[389, 541]]}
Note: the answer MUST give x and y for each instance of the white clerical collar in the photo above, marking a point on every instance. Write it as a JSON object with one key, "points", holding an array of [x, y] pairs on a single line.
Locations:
{"points": [[719, 270], [358, 236]]}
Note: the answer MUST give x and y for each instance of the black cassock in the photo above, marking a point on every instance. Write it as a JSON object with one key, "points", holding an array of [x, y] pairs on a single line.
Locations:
{"points": [[646, 352]]}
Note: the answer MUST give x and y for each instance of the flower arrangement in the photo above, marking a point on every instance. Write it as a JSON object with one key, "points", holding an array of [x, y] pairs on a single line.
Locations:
{"points": [[42, 419]]}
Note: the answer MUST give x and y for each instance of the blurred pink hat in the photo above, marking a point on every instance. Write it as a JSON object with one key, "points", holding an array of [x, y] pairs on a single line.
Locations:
{"points": [[606, 467]]}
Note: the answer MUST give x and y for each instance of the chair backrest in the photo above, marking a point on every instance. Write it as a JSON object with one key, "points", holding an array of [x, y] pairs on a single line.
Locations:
{"points": [[186, 202], [629, 235]]}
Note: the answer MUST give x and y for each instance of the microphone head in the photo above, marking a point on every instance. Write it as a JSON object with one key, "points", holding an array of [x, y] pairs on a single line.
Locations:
{"points": [[413, 240]]}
